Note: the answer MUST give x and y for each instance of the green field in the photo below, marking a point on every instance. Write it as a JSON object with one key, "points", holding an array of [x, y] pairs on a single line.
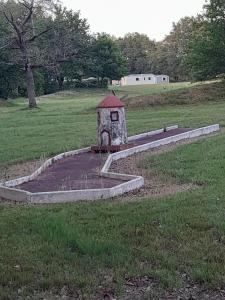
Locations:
{"points": [[138, 90], [68, 121], [84, 248]]}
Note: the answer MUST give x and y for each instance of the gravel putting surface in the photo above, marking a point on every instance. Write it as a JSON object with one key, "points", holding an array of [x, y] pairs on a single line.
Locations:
{"points": [[81, 171]]}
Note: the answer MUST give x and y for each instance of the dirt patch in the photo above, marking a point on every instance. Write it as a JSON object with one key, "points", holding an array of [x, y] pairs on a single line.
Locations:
{"points": [[20, 169], [153, 186], [4, 103], [144, 288], [147, 288]]}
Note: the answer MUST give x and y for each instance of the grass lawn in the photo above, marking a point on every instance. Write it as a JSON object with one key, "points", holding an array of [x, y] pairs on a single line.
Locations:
{"points": [[68, 121], [140, 90], [86, 247]]}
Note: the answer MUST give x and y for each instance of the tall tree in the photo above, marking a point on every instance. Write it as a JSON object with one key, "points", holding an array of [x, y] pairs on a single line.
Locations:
{"points": [[66, 45], [107, 59], [170, 54], [206, 57], [21, 17], [138, 50], [9, 73]]}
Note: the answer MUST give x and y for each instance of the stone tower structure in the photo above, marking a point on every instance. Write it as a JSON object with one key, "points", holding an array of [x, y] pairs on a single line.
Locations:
{"points": [[112, 130]]}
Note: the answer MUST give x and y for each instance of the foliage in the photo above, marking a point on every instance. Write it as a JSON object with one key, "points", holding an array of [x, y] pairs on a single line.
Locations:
{"points": [[170, 54], [107, 60], [29, 33], [66, 45], [21, 27], [138, 51], [11, 81], [10, 75], [206, 57], [56, 48], [60, 53]]}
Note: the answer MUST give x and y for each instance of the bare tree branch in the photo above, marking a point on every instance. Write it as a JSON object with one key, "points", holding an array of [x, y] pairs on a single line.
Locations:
{"points": [[7, 63], [30, 13], [5, 46], [38, 35], [12, 22]]}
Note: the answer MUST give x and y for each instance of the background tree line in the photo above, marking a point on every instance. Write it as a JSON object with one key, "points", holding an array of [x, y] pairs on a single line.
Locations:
{"points": [[45, 47]]}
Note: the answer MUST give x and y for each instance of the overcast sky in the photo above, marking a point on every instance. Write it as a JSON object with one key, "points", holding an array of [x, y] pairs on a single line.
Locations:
{"points": [[118, 17]]}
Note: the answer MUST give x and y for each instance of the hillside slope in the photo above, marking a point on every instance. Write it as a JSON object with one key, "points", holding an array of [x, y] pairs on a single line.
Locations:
{"points": [[201, 93]]}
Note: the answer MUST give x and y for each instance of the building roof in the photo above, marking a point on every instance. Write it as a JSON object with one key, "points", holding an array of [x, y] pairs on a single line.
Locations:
{"points": [[140, 74], [111, 101], [146, 75]]}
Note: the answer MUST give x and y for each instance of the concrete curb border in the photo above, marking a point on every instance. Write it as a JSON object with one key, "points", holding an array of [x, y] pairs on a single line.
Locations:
{"points": [[50, 161], [133, 182], [182, 136], [151, 133]]}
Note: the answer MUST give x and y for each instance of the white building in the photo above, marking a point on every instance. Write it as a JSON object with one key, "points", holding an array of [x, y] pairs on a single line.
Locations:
{"points": [[140, 79]]}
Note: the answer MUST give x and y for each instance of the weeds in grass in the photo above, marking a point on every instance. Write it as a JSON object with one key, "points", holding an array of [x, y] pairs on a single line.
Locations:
{"points": [[78, 245]]}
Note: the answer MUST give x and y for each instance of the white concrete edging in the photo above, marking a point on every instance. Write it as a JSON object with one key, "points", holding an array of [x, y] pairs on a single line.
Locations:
{"points": [[50, 161], [151, 133], [89, 194], [132, 182], [165, 141], [14, 194]]}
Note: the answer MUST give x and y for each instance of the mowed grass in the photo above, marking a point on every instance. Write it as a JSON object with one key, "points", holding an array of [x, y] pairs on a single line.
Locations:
{"points": [[84, 248], [68, 121], [193, 94], [141, 90]]}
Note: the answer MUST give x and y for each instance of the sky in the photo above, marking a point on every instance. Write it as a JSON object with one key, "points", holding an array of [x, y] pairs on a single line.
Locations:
{"points": [[118, 17]]}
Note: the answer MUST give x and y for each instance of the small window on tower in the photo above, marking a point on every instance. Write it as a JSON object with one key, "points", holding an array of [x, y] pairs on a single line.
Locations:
{"points": [[149, 78], [114, 115], [137, 79]]}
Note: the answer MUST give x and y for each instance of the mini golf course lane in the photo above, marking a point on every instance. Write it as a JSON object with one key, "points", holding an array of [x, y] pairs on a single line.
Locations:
{"points": [[81, 171]]}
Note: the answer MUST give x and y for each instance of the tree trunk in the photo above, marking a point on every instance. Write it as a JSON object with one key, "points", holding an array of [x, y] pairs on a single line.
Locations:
{"points": [[60, 80], [98, 81], [102, 82], [30, 86]]}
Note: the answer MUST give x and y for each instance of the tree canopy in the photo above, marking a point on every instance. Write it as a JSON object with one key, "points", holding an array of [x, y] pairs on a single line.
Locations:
{"points": [[206, 53], [107, 59], [45, 47], [138, 51]]}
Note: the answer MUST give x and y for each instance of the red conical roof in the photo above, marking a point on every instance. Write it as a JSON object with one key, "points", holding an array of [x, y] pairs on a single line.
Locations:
{"points": [[111, 101]]}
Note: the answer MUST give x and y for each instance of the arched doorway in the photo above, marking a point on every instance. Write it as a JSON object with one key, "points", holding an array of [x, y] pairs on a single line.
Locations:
{"points": [[105, 138]]}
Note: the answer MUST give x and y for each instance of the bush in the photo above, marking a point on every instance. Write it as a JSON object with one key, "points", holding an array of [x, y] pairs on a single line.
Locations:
{"points": [[85, 83]]}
